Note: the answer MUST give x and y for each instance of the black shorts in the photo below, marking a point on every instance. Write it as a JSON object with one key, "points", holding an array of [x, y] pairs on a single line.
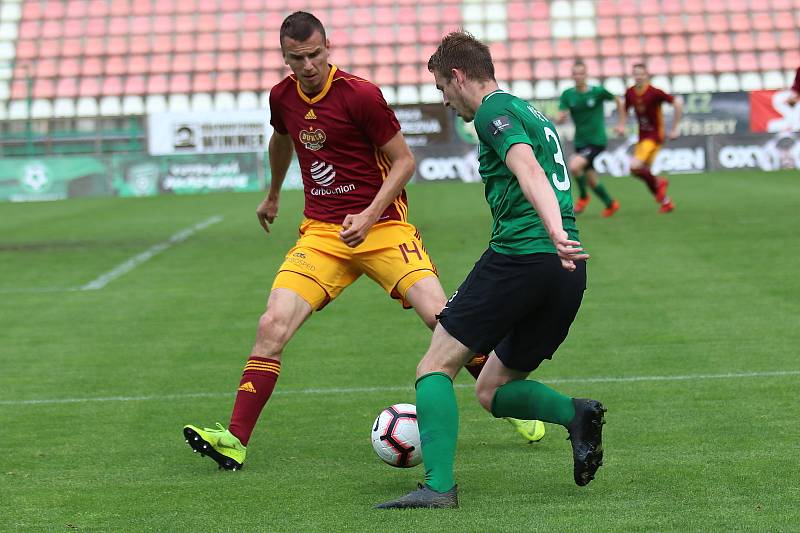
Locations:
{"points": [[520, 306], [589, 152]]}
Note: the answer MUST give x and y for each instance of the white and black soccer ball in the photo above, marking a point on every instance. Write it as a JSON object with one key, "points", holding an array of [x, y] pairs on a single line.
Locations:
{"points": [[395, 436]]}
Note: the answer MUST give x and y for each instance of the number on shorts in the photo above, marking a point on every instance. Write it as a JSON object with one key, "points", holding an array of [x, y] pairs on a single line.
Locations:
{"points": [[558, 157], [407, 249]]}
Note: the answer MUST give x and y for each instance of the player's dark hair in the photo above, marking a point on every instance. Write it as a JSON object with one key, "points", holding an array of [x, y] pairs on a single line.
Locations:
{"points": [[464, 52], [641, 66], [300, 26], [579, 63]]}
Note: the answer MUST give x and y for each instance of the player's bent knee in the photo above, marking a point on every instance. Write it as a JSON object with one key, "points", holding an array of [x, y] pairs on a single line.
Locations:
{"points": [[485, 396]]}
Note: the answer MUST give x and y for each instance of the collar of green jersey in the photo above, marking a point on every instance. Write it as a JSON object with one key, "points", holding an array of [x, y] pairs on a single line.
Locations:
{"points": [[491, 94]]}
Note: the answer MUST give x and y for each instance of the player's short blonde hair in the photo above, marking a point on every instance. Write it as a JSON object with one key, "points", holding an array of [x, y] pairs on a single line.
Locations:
{"points": [[460, 50]]}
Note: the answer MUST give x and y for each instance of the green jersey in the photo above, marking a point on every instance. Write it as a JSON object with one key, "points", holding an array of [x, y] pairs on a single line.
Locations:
{"points": [[501, 121], [586, 109]]}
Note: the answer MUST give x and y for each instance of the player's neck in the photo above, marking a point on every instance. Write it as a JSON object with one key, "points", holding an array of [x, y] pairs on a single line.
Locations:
{"points": [[582, 88], [480, 90]]}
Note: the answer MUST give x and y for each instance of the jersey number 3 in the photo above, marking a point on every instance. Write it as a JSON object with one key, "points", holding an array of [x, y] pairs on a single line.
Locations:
{"points": [[558, 157]]}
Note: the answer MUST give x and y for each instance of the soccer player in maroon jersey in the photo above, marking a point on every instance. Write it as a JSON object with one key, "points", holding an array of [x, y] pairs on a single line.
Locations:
{"points": [[795, 89], [646, 101], [354, 163]]}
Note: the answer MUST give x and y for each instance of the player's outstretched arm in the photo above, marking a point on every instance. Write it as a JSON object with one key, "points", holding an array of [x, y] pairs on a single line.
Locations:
{"points": [[280, 157], [356, 225], [561, 117], [678, 105], [537, 189], [622, 116]]}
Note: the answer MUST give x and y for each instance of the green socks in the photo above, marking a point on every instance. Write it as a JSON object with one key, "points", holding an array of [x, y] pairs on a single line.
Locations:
{"points": [[437, 417], [530, 400], [602, 193], [582, 186]]}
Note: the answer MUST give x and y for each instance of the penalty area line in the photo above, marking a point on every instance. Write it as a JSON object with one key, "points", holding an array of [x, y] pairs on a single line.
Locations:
{"points": [[365, 390], [133, 262]]}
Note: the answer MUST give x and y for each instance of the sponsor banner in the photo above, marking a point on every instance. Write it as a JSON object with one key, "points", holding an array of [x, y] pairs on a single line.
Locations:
{"points": [[685, 155], [763, 152], [425, 124], [208, 132], [770, 112], [52, 178], [185, 174], [448, 162]]}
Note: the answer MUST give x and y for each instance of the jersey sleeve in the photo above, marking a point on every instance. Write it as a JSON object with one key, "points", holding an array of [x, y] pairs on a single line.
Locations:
{"points": [[275, 119], [373, 115], [605, 94], [661, 96], [501, 130], [796, 85], [628, 100], [562, 102]]}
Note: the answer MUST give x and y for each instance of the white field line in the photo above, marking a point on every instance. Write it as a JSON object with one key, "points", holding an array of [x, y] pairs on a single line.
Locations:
{"points": [[133, 262], [363, 390]]}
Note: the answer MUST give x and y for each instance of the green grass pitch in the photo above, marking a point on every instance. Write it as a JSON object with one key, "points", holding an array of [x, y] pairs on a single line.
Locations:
{"points": [[688, 333]]}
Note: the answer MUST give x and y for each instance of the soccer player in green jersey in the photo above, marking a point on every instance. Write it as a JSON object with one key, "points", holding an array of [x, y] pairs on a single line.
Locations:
{"points": [[584, 103], [522, 295]]}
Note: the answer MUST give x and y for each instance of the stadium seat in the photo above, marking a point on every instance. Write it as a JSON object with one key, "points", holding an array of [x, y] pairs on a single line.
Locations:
{"points": [[657, 65], [728, 82], [750, 81], [682, 84], [654, 46], [724, 63], [246, 100], [701, 63], [64, 107], [705, 83], [762, 21], [562, 49], [92, 66], [765, 40], [544, 70], [718, 22], [773, 80], [115, 66], [629, 26], [542, 49], [157, 84], [610, 47], [787, 40], [721, 42], [674, 24], [545, 88], [134, 85], [612, 67], [522, 88], [180, 103], [740, 22], [698, 44], [632, 47]]}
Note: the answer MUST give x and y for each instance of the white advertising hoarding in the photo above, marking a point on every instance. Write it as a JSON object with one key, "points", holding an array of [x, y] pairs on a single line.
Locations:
{"points": [[208, 132]]}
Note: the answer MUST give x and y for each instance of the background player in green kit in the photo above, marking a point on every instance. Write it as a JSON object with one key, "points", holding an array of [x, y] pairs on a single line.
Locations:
{"points": [[522, 295], [584, 103]]}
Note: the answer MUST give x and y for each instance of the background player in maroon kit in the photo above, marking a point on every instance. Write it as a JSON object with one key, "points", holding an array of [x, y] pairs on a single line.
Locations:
{"points": [[354, 163], [795, 89], [646, 101]]}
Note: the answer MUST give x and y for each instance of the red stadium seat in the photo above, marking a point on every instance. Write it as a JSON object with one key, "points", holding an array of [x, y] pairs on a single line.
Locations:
{"points": [[784, 21], [45, 68], [69, 68], [27, 49], [409, 75], [226, 61], [165, 24], [19, 89], [115, 66], [629, 26], [180, 84], [206, 42], [205, 62], [542, 49], [544, 70], [696, 24], [714, 6], [384, 55], [694, 6], [96, 26], [500, 51], [521, 70], [721, 42], [564, 68], [740, 22], [606, 8], [743, 42], [788, 40], [674, 24], [89, 87], [91, 66], [701, 63], [202, 83], [718, 22], [724, 63], [607, 27], [157, 84], [586, 48], [249, 81], [632, 47], [515, 11], [769, 61], [74, 27], [67, 88], [181, 24], [791, 59], [182, 63], [206, 23], [657, 66], [249, 61], [562, 49], [51, 29], [765, 40], [384, 76], [609, 47], [612, 67], [501, 71], [117, 46], [138, 64], [651, 25], [54, 11], [698, 43], [676, 44], [273, 59], [746, 62], [738, 6], [654, 46], [671, 7], [139, 44], [184, 42], [762, 21], [228, 41], [44, 88], [142, 8], [160, 64], [112, 86], [28, 29], [679, 65], [250, 40]]}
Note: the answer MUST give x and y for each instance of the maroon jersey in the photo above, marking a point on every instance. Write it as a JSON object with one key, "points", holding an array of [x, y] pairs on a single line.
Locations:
{"points": [[337, 134], [647, 103], [796, 85]]}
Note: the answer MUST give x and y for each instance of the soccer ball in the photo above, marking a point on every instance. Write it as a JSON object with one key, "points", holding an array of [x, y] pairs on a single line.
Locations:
{"points": [[395, 436]]}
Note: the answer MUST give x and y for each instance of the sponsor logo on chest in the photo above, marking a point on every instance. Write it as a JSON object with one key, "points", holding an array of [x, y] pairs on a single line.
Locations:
{"points": [[312, 139]]}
